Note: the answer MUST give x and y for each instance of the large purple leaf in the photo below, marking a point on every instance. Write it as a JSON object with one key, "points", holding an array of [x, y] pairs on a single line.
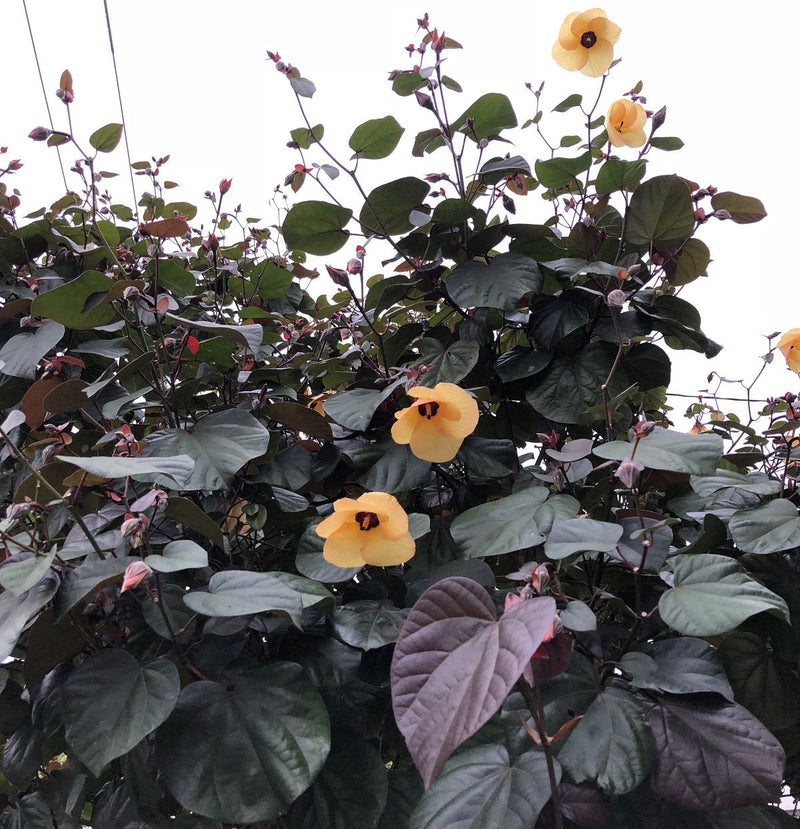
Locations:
{"points": [[455, 663], [712, 755]]}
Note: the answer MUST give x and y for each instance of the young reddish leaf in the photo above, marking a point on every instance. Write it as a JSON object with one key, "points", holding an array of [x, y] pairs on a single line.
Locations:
{"points": [[165, 228], [193, 344], [455, 663]]}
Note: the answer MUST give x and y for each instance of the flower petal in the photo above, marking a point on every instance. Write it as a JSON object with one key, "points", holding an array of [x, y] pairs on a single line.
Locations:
{"points": [[407, 420], [570, 59], [601, 56], [392, 517], [386, 552], [605, 29], [434, 445], [344, 547]]}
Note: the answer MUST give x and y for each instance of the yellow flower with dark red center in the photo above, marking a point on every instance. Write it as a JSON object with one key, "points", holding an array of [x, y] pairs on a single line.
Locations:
{"points": [[438, 421], [586, 43], [789, 344], [625, 123], [372, 529]]}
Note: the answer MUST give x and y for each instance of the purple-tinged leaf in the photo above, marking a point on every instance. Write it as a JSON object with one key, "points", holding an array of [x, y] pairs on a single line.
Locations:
{"points": [[712, 755], [455, 663], [584, 805]]}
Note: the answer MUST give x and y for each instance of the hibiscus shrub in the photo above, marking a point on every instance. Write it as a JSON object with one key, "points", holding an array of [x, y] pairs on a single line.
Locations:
{"points": [[426, 551]]}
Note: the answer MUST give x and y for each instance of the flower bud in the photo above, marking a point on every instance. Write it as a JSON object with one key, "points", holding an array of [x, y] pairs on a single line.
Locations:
{"points": [[628, 472], [338, 276], [354, 266], [658, 118], [643, 428], [616, 298], [39, 134], [225, 185], [131, 293]]}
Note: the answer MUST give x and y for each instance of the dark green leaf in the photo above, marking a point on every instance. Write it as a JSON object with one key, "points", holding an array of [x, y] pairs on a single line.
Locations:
{"points": [[301, 418], [111, 703], [106, 138], [712, 755], [453, 211], [620, 175], [220, 444], [398, 470], [612, 745], [660, 215], [763, 683], [691, 262], [354, 409], [368, 624], [555, 173], [67, 303], [743, 209], [667, 142], [305, 137], [243, 749], [712, 594], [568, 103], [490, 114], [771, 528], [376, 138], [483, 787], [513, 523], [572, 384], [350, 791], [387, 208], [501, 284], [316, 227]]}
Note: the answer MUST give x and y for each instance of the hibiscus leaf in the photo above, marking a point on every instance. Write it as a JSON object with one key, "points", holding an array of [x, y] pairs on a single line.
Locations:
{"points": [[111, 703], [368, 624], [712, 755], [771, 528], [350, 791], [482, 787], [661, 214], [455, 663], [220, 444], [243, 749], [500, 284], [713, 594], [612, 745], [376, 138]]}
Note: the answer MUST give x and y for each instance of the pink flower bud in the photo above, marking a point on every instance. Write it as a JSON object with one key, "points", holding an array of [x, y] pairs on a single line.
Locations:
{"points": [[39, 134], [135, 574], [628, 472], [616, 298], [643, 428]]}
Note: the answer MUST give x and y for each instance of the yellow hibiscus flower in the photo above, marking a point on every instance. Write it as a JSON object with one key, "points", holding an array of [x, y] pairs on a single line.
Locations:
{"points": [[586, 43], [437, 423], [625, 124], [372, 529], [789, 344]]}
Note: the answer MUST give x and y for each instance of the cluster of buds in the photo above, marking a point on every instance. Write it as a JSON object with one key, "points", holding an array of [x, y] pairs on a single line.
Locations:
{"points": [[127, 446], [134, 527]]}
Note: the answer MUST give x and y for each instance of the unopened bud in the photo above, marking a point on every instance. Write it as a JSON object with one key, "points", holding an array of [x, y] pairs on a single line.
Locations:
{"points": [[131, 293], [699, 215], [628, 472], [658, 118], [616, 298], [338, 276], [643, 428], [225, 185], [722, 215], [39, 134], [424, 100], [354, 266]]}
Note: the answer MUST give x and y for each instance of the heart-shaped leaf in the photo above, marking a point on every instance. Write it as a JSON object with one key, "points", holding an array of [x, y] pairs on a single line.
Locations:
{"points": [[771, 528], [483, 787], [179, 555], [242, 749], [455, 663], [612, 745], [712, 594], [712, 755], [669, 450], [111, 703]]}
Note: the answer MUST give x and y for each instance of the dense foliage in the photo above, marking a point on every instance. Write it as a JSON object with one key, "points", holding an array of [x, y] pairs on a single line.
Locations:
{"points": [[429, 551]]}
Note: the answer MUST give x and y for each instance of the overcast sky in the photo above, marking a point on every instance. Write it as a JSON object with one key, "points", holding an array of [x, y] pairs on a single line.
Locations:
{"points": [[196, 84]]}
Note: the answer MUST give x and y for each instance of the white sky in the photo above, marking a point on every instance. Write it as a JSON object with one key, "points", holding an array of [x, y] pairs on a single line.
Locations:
{"points": [[196, 84]]}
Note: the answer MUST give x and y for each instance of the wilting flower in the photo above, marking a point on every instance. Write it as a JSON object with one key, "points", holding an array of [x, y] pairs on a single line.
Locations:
{"points": [[625, 123], [789, 344], [437, 423], [372, 529], [586, 42]]}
